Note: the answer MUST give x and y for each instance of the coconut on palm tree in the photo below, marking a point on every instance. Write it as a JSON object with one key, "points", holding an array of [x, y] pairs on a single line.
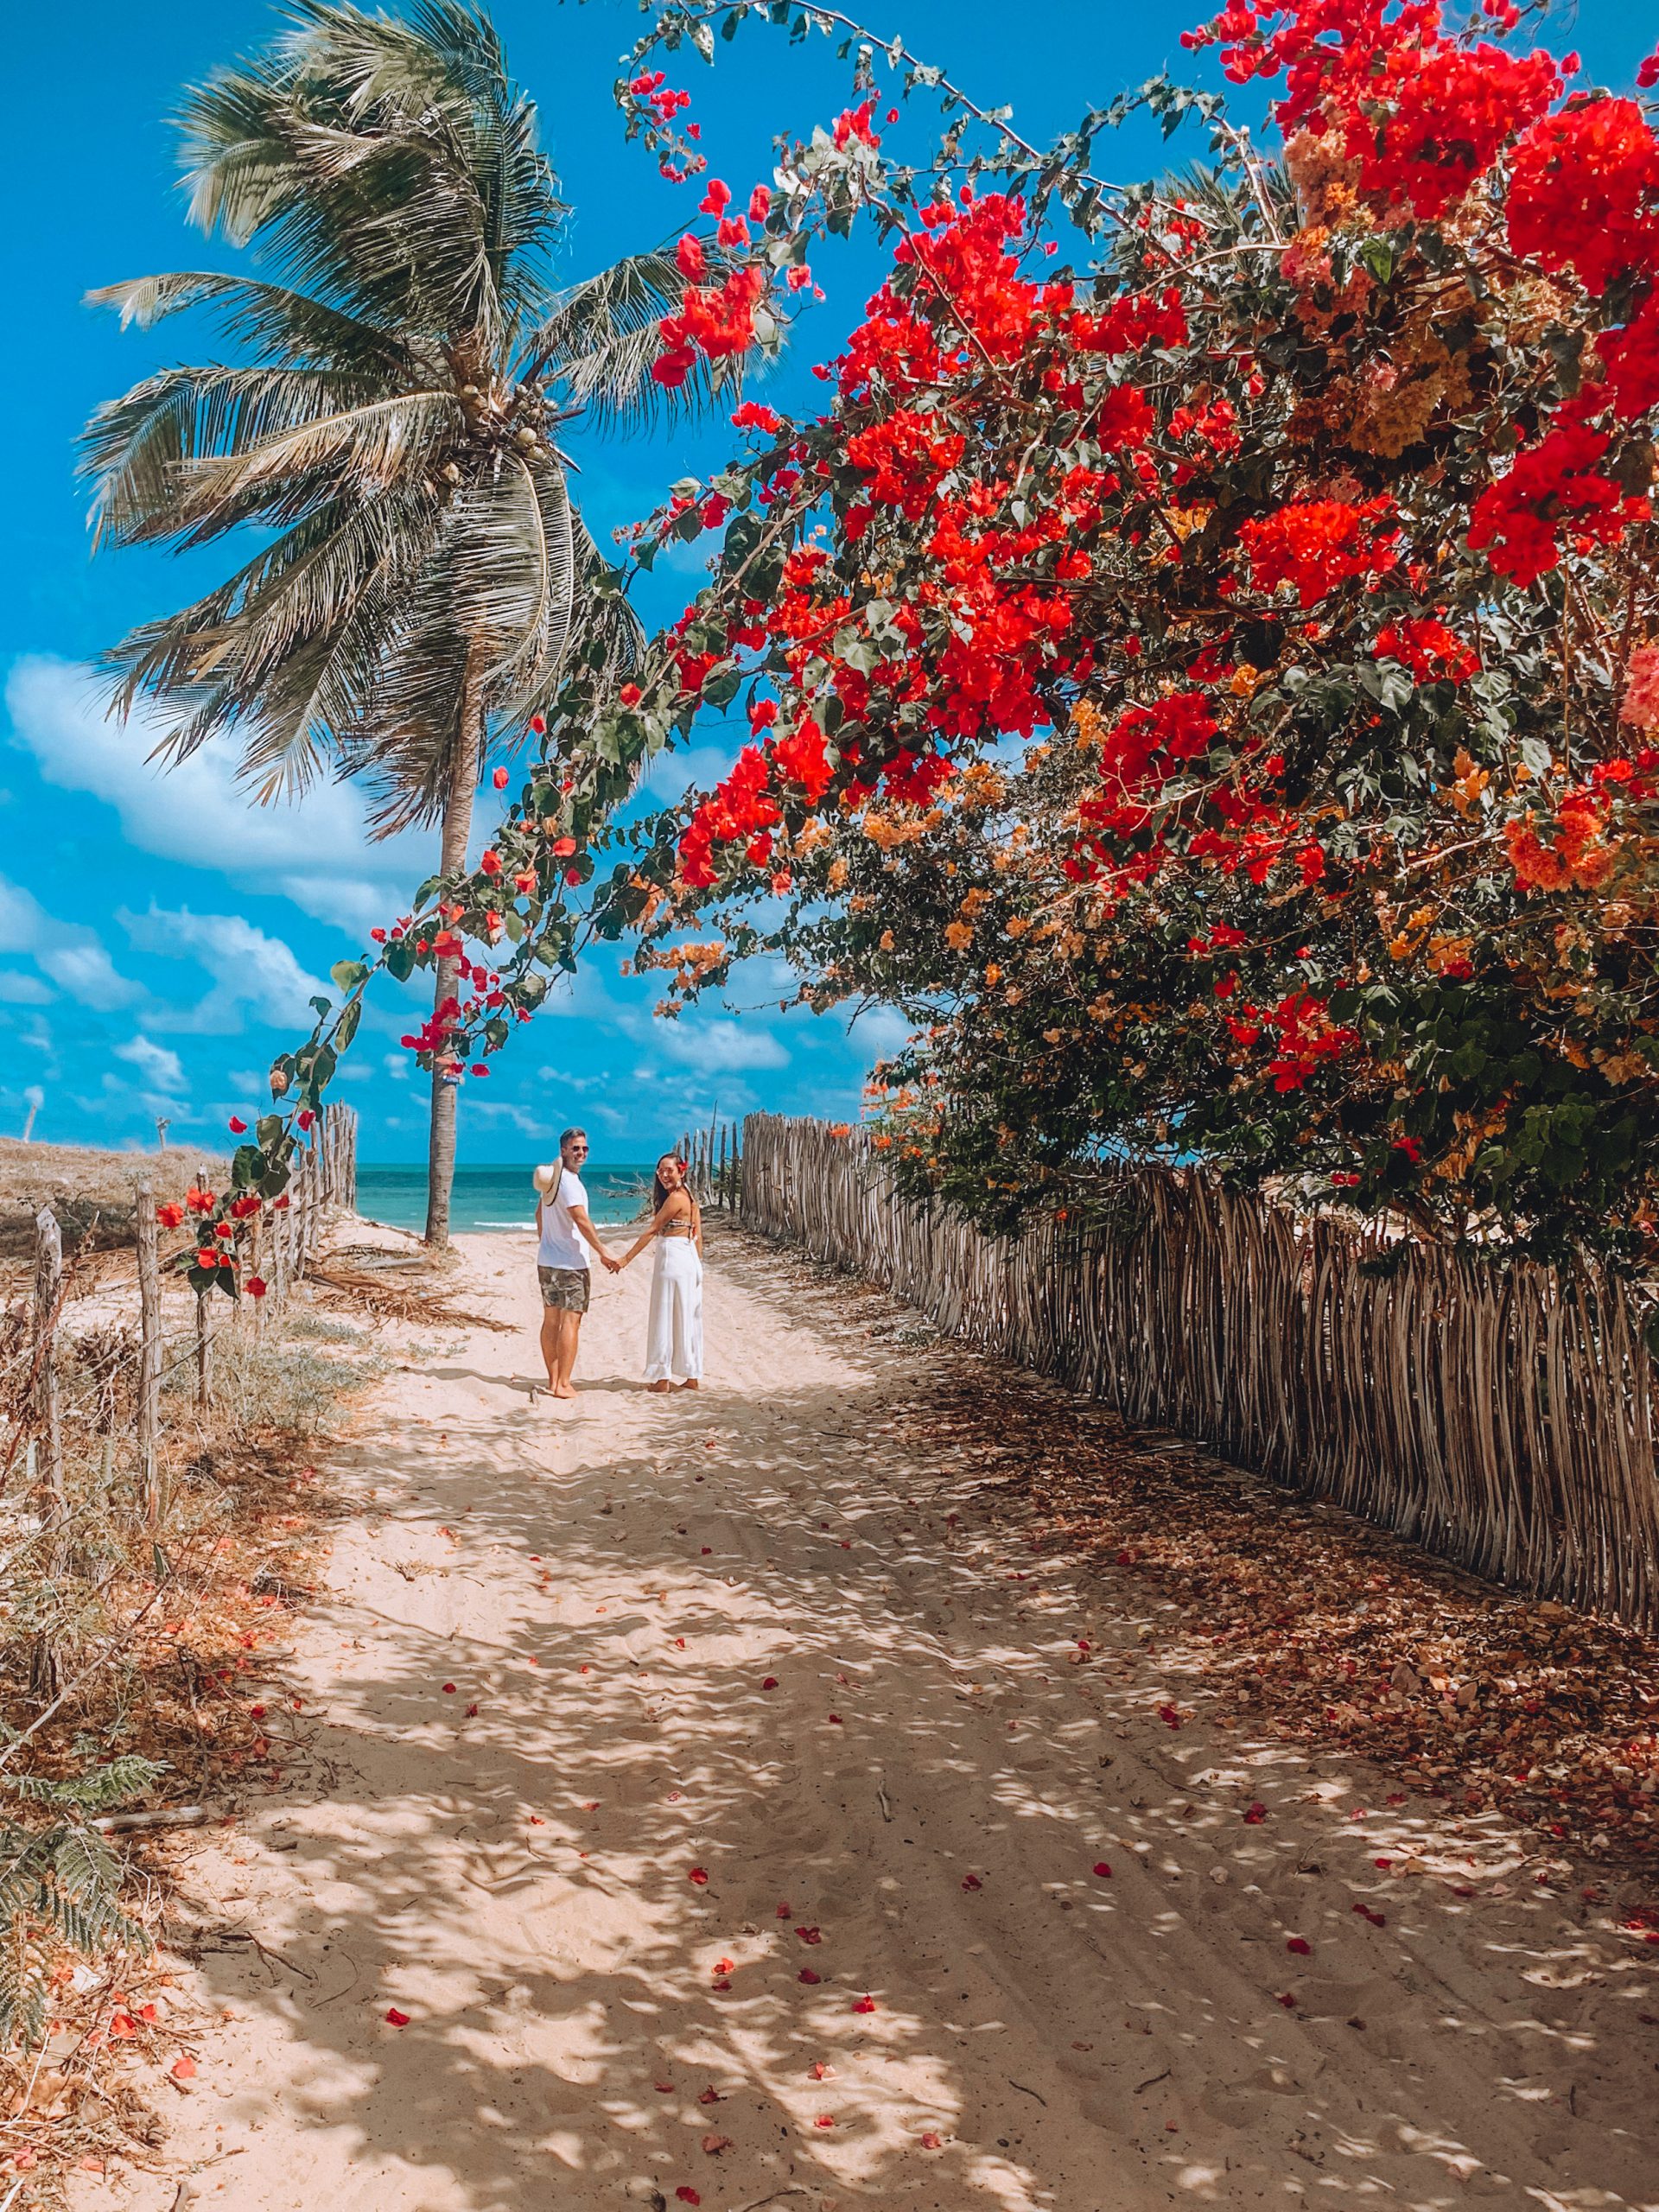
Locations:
{"points": [[422, 574]]}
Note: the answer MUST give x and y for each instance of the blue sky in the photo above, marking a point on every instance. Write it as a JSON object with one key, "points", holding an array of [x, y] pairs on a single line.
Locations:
{"points": [[158, 936]]}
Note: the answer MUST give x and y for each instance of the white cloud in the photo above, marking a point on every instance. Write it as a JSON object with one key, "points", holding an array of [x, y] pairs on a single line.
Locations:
{"points": [[250, 971], [316, 853], [712, 1048], [18, 989], [71, 954], [159, 1067], [880, 1030]]}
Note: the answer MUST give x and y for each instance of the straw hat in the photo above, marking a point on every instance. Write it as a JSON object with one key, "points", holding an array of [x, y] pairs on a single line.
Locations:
{"points": [[546, 1179]]}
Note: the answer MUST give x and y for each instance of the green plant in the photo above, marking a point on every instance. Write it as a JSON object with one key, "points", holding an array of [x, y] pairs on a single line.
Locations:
{"points": [[61, 1885]]}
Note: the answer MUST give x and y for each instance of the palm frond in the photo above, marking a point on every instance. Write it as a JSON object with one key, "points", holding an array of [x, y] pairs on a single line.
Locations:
{"points": [[307, 332], [389, 166], [136, 447], [599, 342], [359, 450]]}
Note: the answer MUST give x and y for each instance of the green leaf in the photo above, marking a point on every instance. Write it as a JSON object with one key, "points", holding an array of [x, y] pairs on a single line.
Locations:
{"points": [[347, 975]]}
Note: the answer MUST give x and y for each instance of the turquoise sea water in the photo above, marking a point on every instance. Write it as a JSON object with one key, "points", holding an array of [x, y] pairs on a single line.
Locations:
{"points": [[493, 1197]]}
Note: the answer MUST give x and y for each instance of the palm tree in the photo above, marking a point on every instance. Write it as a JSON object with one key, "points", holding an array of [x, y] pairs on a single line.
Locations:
{"points": [[424, 574]]}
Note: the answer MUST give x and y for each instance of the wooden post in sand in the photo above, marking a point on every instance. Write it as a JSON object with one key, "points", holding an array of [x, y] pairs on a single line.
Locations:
{"points": [[204, 1352], [48, 1293], [149, 1348]]}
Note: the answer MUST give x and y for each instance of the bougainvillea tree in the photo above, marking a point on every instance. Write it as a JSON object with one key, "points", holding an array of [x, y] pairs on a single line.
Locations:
{"points": [[1202, 660]]}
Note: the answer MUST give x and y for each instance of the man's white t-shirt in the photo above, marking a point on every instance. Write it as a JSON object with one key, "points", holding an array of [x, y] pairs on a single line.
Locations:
{"points": [[562, 1243]]}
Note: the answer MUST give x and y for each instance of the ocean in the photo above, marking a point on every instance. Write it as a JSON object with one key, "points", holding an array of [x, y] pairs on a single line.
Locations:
{"points": [[494, 1197]]}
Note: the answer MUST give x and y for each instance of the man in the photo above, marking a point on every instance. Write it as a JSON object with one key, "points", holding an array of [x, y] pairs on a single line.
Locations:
{"points": [[562, 1263]]}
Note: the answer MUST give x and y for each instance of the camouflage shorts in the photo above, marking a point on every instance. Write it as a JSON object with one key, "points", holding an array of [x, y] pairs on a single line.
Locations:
{"points": [[565, 1288]]}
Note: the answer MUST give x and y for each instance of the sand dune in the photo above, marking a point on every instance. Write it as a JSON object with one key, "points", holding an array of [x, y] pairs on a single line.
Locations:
{"points": [[756, 1851]]}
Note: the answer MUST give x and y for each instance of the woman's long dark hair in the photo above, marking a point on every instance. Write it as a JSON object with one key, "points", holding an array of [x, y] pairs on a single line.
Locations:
{"points": [[659, 1194]]}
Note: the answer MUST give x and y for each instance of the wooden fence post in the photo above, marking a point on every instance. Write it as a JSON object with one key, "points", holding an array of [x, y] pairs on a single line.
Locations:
{"points": [[45, 1663], [49, 1291], [204, 1350], [150, 1350]]}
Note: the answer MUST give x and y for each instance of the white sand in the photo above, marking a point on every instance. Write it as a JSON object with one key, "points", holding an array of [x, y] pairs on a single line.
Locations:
{"points": [[621, 1576]]}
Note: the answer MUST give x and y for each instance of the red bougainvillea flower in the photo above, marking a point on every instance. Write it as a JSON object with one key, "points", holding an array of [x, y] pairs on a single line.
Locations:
{"points": [[397, 2019], [1429, 650], [1554, 485], [499, 779], [1318, 543], [1582, 191], [698, 1876], [807, 1975], [1300, 1945], [255, 1286], [170, 1215], [237, 1126], [1103, 1870]]}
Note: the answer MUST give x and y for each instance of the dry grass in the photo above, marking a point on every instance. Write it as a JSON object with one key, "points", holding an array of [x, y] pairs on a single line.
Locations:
{"points": [[165, 1644], [89, 1191]]}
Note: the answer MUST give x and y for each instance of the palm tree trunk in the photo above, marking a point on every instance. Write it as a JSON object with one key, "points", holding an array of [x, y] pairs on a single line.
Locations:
{"points": [[457, 829]]}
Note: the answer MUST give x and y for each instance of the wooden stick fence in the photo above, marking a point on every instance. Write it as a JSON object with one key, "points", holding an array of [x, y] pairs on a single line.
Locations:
{"points": [[714, 1156], [326, 1176], [1500, 1414]]}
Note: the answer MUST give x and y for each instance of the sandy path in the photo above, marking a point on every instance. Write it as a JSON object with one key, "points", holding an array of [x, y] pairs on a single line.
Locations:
{"points": [[925, 1792]]}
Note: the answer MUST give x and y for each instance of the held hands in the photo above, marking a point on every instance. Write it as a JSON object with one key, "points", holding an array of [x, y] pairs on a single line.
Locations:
{"points": [[612, 1266]]}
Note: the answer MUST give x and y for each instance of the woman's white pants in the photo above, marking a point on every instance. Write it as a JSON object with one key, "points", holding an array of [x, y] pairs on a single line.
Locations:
{"points": [[674, 1338]]}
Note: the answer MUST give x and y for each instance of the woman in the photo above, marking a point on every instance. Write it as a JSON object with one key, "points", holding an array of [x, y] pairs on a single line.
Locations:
{"points": [[674, 1337]]}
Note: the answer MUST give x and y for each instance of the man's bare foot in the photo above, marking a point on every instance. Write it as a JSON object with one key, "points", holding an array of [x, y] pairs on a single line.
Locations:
{"points": [[563, 1390], [690, 1383], [660, 1387]]}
